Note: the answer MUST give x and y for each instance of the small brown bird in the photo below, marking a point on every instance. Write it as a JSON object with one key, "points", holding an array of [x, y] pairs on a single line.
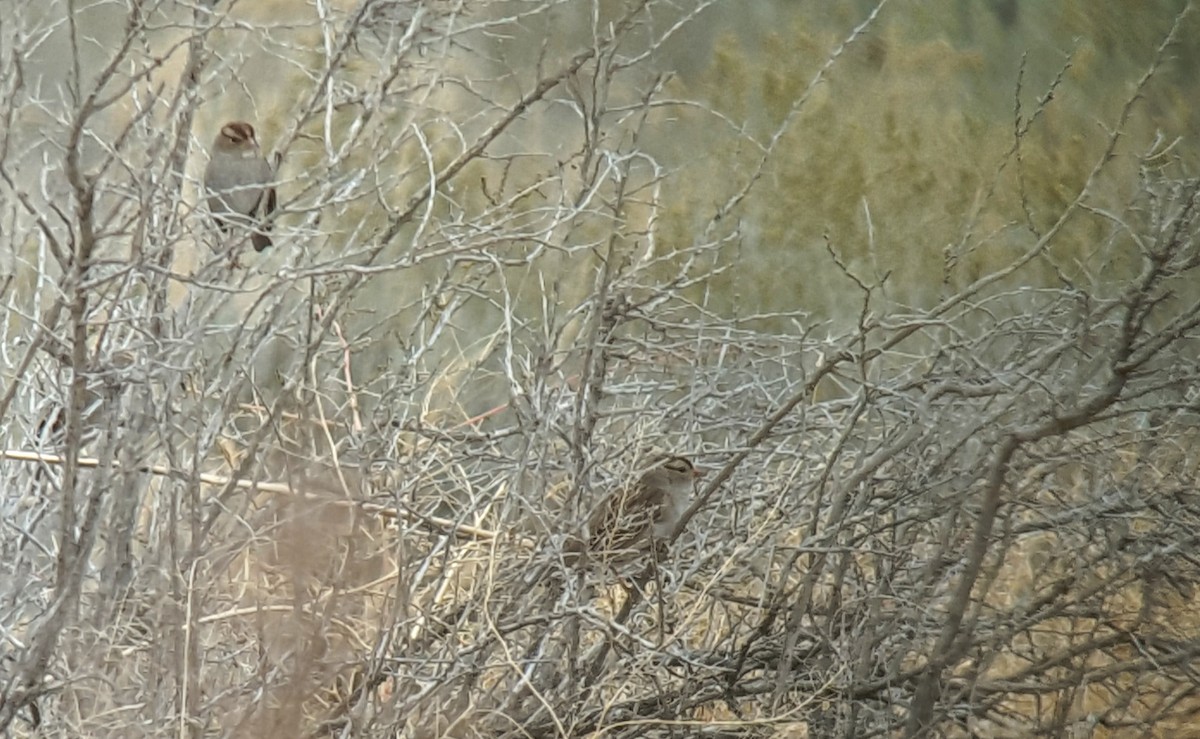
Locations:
{"points": [[237, 180], [632, 521]]}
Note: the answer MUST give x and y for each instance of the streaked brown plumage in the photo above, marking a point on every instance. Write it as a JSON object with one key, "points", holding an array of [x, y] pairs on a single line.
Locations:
{"points": [[236, 180], [631, 521]]}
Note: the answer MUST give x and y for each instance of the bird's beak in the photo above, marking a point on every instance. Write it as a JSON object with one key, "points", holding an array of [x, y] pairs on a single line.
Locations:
{"points": [[698, 472]]}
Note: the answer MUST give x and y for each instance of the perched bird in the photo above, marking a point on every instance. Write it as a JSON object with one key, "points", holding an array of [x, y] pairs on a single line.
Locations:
{"points": [[631, 523], [638, 519], [237, 180]]}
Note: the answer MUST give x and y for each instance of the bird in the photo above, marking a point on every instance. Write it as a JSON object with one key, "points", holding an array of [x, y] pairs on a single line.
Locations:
{"points": [[639, 519], [237, 181]]}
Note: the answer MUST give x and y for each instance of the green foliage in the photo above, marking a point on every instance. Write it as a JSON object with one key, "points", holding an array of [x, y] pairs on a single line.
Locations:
{"points": [[916, 129]]}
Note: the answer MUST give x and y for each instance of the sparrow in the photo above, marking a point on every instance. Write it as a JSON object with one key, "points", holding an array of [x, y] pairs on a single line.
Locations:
{"points": [[639, 518], [236, 180]]}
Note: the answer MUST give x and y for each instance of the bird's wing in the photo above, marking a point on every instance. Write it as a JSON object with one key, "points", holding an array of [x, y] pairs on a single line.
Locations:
{"points": [[265, 175], [624, 518]]}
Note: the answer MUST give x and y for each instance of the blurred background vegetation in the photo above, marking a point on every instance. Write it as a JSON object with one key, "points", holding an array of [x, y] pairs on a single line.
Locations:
{"points": [[896, 161]]}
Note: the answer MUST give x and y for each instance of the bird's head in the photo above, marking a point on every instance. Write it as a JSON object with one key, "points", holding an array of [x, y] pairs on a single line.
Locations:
{"points": [[237, 137]]}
